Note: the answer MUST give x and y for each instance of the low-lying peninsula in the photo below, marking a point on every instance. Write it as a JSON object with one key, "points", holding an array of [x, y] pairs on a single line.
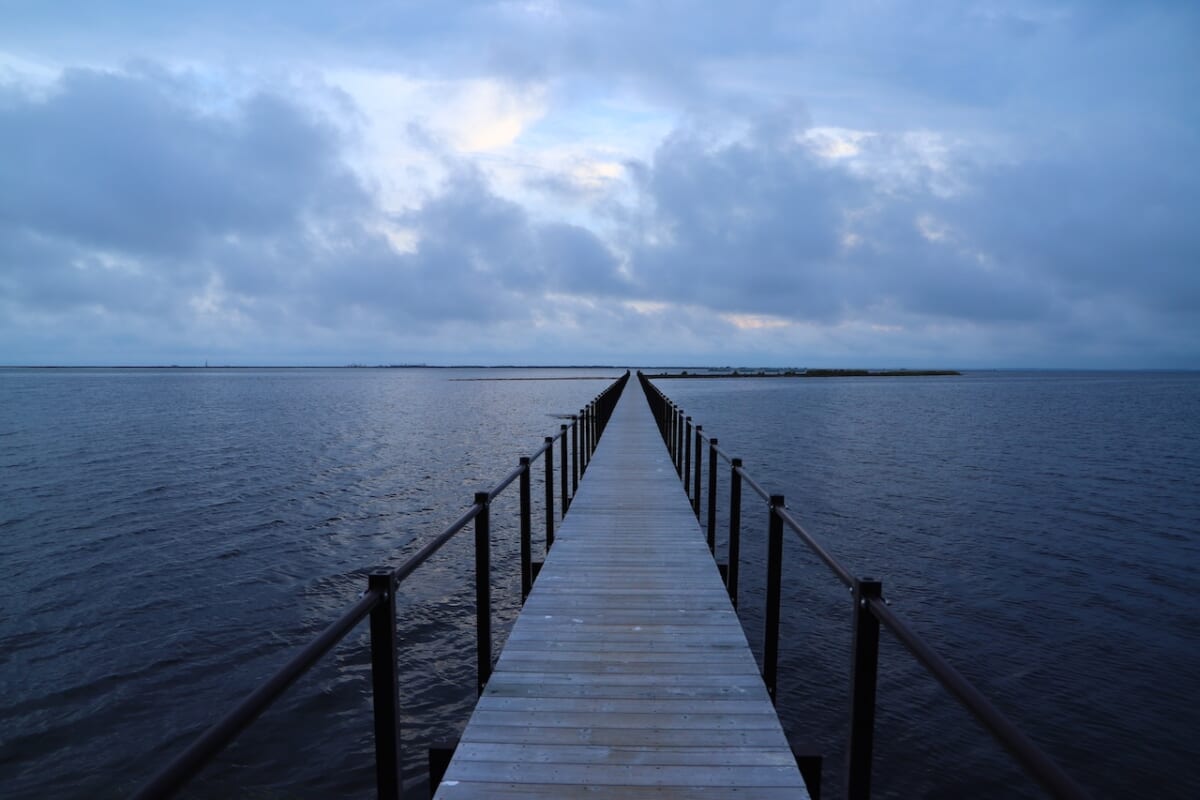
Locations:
{"points": [[809, 373]]}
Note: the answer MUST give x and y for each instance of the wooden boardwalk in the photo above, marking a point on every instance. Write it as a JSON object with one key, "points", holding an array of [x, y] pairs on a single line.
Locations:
{"points": [[627, 673]]}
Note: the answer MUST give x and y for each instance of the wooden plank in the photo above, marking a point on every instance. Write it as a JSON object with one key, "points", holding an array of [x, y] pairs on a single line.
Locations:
{"points": [[453, 790], [594, 754], [627, 673]]}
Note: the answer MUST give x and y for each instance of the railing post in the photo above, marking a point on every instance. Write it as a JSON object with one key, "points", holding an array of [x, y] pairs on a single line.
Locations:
{"points": [[669, 431], [565, 477], [574, 454], [591, 430], [676, 419], [526, 532], [483, 589], [712, 499], [384, 689], [687, 456], [585, 438], [774, 592], [548, 455], [679, 443], [864, 665], [696, 471], [735, 529]]}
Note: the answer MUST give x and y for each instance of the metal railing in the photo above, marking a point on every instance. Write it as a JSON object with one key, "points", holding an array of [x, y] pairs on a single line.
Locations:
{"points": [[378, 603], [685, 444]]}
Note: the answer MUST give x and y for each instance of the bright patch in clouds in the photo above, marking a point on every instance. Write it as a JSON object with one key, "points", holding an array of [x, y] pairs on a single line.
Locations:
{"points": [[754, 322]]}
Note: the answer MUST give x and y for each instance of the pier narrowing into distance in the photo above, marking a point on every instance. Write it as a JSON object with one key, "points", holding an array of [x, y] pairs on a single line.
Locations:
{"points": [[627, 673]]}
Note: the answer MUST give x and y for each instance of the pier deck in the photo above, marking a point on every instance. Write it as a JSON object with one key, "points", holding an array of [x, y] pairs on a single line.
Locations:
{"points": [[627, 673]]}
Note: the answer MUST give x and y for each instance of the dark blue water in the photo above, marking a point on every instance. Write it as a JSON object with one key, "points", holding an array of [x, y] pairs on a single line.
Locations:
{"points": [[1043, 530], [168, 538]]}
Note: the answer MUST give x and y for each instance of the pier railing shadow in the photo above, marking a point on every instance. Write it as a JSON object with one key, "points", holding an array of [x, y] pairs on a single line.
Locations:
{"points": [[686, 444], [576, 442]]}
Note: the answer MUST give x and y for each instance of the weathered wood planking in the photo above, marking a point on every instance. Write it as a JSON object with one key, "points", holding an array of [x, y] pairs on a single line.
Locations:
{"points": [[627, 673]]}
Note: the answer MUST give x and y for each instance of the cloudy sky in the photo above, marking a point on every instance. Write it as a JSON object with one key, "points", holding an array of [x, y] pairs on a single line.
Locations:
{"points": [[943, 183]]}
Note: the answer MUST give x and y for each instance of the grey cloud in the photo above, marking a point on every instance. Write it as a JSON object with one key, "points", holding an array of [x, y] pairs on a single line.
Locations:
{"points": [[1113, 219], [577, 262], [120, 161], [1091, 246], [744, 227]]}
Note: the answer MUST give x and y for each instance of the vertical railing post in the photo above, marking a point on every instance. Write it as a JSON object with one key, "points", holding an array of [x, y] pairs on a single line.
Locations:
{"points": [[548, 455], [669, 434], [679, 443], [735, 529], [591, 429], [526, 531], [565, 477], [864, 665], [712, 499], [585, 438], [687, 456], [774, 592], [483, 588], [676, 419], [384, 688], [574, 453], [666, 424], [696, 471]]}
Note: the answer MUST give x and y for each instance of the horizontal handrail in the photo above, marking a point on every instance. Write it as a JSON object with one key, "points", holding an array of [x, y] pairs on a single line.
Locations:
{"points": [[1035, 762], [435, 544], [506, 482], [834, 565], [375, 600], [871, 609], [763, 493], [212, 741]]}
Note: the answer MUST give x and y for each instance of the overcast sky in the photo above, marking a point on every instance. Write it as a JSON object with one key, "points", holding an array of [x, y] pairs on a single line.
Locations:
{"points": [[943, 183]]}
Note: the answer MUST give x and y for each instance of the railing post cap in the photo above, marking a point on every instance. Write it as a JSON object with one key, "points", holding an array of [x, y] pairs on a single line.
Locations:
{"points": [[778, 500], [868, 587], [382, 578], [523, 461], [483, 498], [737, 462]]}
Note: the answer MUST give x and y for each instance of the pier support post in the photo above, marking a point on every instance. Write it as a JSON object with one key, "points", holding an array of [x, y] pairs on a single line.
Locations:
{"points": [[564, 478], [548, 455], [712, 497], [385, 691], [679, 442], [526, 531], [864, 667], [696, 471], [575, 453], [735, 529], [774, 593], [686, 475], [483, 588]]}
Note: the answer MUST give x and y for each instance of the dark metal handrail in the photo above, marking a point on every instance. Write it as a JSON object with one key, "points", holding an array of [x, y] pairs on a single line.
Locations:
{"points": [[378, 602], [870, 609]]}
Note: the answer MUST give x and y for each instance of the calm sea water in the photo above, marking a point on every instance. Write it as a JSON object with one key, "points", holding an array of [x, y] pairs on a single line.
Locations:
{"points": [[1041, 529], [169, 538]]}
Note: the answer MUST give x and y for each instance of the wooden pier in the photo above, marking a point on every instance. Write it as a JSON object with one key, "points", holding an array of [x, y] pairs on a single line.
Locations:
{"points": [[627, 673]]}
